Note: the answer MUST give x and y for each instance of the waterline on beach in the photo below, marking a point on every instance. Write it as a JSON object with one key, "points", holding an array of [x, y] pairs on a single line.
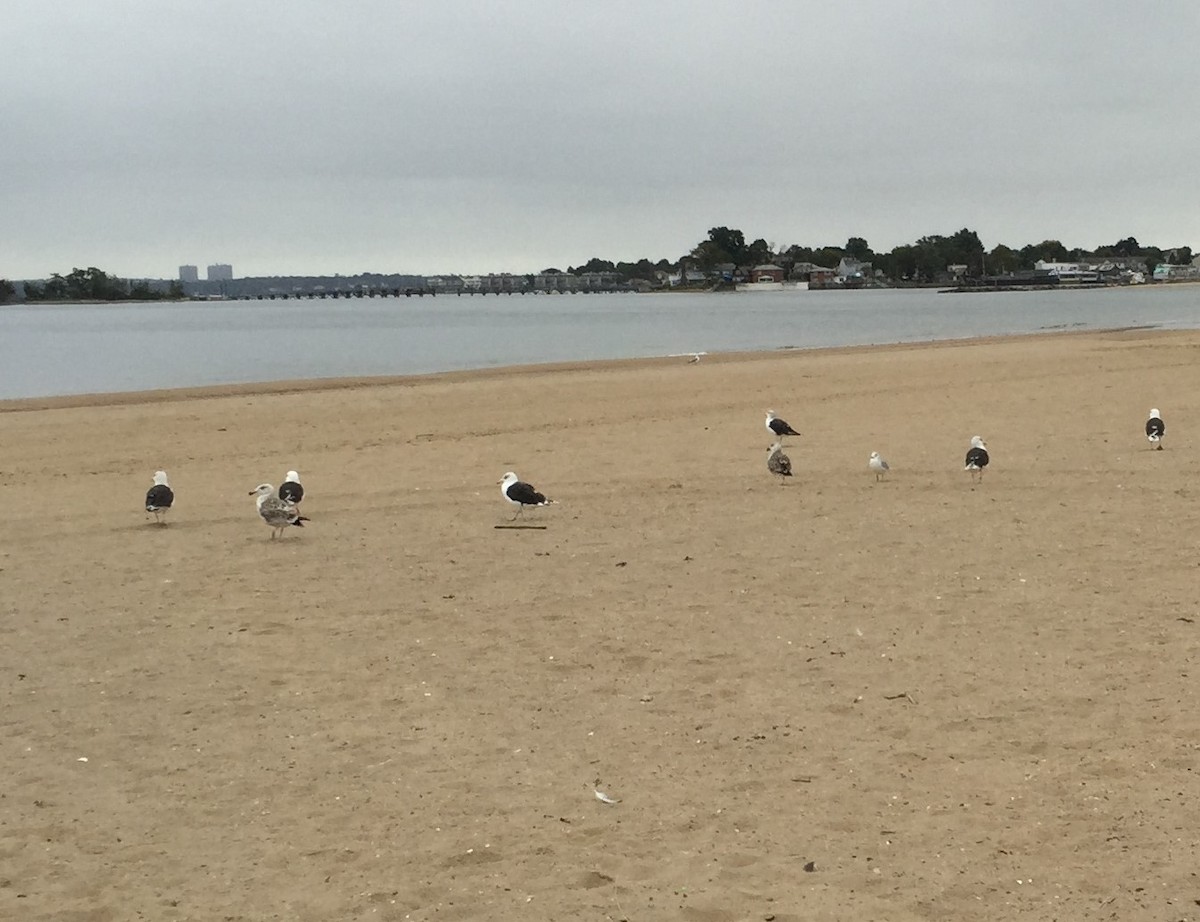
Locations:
{"points": [[79, 349]]}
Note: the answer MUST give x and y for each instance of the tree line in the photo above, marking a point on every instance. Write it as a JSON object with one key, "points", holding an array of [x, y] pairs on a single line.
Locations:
{"points": [[926, 260], [91, 284]]}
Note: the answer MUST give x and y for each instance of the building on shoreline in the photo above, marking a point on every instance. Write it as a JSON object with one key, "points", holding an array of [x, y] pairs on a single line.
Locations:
{"points": [[1169, 272]]}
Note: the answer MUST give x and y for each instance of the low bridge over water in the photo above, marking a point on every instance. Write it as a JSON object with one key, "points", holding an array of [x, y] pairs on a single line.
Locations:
{"points": [[323, 294]]}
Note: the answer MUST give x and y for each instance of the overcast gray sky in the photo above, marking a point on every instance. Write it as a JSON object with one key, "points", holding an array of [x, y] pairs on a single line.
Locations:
{"points": [[340, 136]]}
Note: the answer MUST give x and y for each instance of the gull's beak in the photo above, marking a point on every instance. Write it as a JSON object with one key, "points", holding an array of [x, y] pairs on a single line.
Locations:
{"points": [[252, 492]]}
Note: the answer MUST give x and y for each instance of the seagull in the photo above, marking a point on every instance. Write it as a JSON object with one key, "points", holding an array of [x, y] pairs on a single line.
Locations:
{"points": [[159, 497], [878, 465], [290, 491], [521, 494], [1155, 428], [274, 511], [977, 458], [695, 359], [777, 426], [778, 462]]}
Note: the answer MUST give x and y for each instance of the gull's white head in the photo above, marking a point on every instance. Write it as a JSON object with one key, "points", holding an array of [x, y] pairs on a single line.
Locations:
{"points": [[770, 414], [508, 479], [160, 478], [293, 477], [775, 446], [262, 493], [1154, 414], [977, 442], [874, 456]]}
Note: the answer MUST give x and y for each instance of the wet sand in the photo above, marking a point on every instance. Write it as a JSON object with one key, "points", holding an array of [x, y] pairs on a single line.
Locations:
{"points": [[828, 699]]}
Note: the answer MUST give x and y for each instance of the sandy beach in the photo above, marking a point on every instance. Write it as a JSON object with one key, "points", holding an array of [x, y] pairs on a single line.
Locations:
{"points": [[828, 699]]}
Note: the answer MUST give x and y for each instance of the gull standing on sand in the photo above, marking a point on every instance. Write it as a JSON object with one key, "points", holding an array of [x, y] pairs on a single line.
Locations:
{"points": [[878, 465], [977, 458], [778, 462], [274, 511], [159, 497], [1155, 428], [290, 491], [778, 427], [521, 494]]}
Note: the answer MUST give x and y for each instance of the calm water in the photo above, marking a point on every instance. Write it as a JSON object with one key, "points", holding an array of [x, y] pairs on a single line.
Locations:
{"points": [[74, 349]]}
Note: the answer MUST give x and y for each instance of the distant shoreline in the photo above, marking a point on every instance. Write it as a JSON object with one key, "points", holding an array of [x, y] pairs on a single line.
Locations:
{"points": [[679, 290], [1145, 286]]}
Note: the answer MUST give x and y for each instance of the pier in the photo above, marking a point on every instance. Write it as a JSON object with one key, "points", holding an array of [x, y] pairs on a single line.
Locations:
{"points": [[311, 294]]}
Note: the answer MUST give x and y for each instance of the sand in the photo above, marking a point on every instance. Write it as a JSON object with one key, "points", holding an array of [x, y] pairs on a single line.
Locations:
{"points": [[833, 699]]}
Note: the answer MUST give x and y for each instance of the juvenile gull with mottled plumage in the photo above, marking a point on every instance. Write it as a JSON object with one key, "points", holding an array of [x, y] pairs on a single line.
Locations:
{"points": [[274, 511], [778, 462]]}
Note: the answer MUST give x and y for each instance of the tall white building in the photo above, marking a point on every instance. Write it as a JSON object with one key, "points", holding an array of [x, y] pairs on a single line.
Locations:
{"points": [[220, 272], [189, 274]]}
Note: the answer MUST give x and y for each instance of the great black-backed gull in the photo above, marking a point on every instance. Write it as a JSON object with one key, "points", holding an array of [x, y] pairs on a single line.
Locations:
{"points": [[274, 511], [159, 497], [878, 465], [777, 426], [521, 494], [778, 462], [977, 458], [290, 491], [1155, 429]]}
